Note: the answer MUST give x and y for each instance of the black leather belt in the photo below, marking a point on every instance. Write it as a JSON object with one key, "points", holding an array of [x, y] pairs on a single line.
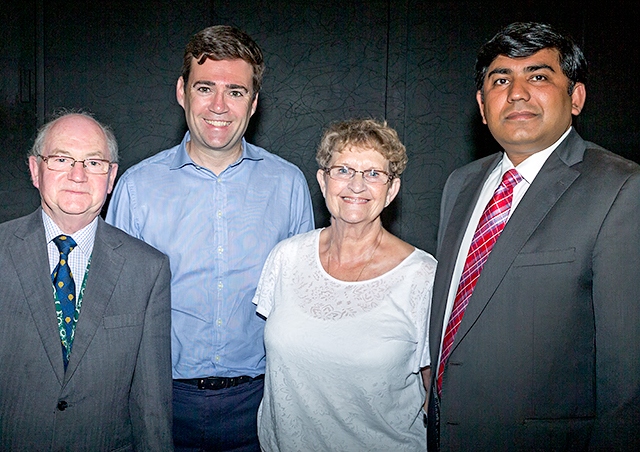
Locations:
{"points": [[215, 383]]}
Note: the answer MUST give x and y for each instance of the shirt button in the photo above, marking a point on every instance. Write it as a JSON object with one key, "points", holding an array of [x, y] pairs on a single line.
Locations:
{"points": [[62, 405], [220, 249], [220, 285], [219, 322], [217, 358], [219, 213]]}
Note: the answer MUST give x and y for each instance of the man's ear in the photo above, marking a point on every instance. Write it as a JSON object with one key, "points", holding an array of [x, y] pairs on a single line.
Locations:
{"points": [[113, 172], [254, 104], [480, 100], [34, 169], [578, 98], [180, 91]]}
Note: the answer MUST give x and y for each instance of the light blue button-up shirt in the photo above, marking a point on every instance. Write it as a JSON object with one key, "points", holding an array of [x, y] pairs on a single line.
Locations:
{"points": [[217, 232]]}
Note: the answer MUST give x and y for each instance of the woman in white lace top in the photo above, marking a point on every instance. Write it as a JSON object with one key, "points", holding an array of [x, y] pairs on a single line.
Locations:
{"points": [[347, 311]]}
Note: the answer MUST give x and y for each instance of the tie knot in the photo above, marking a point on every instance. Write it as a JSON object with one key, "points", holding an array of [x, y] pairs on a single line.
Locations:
{"points": [[64, 243], [511, 178]]}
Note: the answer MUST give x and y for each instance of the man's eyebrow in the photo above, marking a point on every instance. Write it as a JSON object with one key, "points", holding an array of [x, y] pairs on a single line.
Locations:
{"points": [[242, 87], [537, 67], [500, 71], [230, 86], [202, 82], [532, 68], [64, 153]]}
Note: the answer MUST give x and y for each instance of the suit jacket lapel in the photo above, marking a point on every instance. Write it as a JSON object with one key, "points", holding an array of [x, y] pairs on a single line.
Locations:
{"points": [[554, 178], [106, 266], [30, 257], [449, 245]]}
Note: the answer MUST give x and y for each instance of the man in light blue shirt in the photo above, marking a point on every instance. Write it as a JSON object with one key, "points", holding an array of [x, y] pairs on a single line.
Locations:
{"points": [[216, 205]]}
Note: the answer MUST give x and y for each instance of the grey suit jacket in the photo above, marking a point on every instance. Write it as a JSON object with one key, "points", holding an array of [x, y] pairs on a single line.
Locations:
{"points": [[116, 392], [547, 356]]}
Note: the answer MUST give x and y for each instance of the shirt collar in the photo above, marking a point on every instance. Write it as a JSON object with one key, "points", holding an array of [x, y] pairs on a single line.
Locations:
{"points": [[182, 157], [84, 238], [532, 165]]}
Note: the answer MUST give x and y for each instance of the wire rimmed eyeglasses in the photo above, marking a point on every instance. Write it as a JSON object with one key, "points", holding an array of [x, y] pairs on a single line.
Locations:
{"points": [[65, 163], [346, 173]]}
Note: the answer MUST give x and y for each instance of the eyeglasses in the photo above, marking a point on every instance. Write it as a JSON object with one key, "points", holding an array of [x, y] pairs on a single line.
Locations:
{"points": [[371, 176], [65, 164]]}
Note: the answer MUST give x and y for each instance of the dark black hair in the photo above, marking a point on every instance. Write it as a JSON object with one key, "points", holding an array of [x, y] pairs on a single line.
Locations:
{"points": [[523, 39]]}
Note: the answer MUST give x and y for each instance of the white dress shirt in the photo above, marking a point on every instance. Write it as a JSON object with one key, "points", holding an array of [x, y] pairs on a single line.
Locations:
{"points": [[528, 169], [79, 256]]}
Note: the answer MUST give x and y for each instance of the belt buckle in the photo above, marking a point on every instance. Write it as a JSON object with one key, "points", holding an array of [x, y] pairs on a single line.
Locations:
{"points": [[212, 383]]}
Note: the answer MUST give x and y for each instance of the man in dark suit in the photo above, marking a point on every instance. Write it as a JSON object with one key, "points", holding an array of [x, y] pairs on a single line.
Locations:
{"points": [[86, 357], [535, 341]]}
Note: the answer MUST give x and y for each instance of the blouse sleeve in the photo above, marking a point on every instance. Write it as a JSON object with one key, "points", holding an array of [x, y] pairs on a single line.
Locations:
{"points": [[423, 291], [264, 297]]}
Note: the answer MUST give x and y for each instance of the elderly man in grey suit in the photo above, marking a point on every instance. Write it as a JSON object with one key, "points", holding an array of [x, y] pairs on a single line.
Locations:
{"points": [[85, 321], [535, 327]]}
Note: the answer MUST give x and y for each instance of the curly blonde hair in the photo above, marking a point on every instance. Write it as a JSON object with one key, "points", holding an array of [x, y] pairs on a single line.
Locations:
{"points": [[363, 133]]}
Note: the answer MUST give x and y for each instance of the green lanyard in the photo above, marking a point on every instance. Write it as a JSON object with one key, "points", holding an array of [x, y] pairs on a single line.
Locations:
{"points": [[66, 341]]}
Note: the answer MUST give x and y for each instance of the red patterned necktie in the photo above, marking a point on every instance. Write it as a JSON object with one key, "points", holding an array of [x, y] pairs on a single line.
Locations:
{"points": [[489, 228]]}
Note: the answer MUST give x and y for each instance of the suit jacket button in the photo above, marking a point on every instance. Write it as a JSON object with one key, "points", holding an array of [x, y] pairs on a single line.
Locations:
{"points": [[62, 405]]}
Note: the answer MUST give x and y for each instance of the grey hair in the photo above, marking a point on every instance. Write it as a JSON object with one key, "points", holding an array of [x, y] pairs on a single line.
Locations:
{"points": [[43, 132], [368, 133]]}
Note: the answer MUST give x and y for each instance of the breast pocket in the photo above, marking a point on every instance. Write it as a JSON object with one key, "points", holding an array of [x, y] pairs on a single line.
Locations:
{"points": [[547, 257]]}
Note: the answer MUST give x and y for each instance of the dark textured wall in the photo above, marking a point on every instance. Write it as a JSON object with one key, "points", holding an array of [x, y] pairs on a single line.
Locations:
{"points": [[17, 106], [409, 62]]}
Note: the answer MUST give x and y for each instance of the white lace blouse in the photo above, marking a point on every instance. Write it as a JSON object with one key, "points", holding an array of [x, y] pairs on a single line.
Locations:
{"points": [[343, 358]]}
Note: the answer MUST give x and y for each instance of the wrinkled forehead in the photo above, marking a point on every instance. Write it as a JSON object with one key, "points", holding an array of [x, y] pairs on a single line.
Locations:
{"points": [[77, 136], [360, 152], [359, 143]]}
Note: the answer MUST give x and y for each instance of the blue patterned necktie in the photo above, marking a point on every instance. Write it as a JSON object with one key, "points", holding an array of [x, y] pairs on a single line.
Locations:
{"points": [[65, 291]]}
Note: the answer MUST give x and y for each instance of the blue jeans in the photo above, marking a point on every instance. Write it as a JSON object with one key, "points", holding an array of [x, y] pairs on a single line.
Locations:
{"points": [[220, 420]]}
